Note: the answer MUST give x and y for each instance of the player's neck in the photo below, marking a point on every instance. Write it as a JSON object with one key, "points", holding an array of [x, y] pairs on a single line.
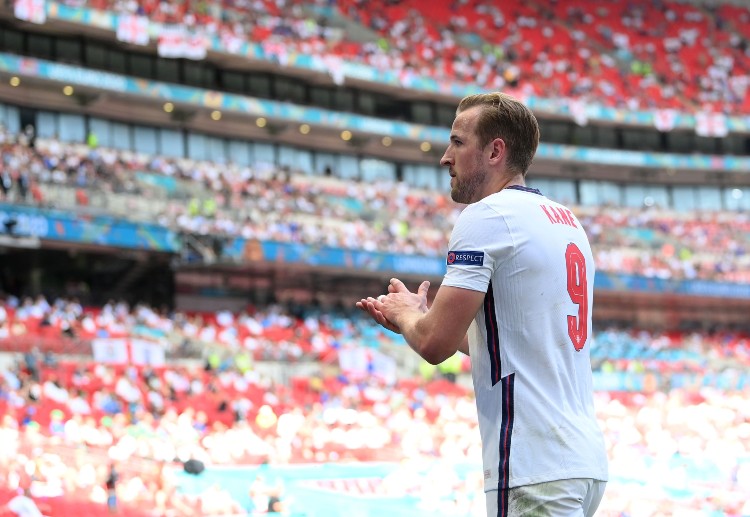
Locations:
{"points": [[497, 184], [516, 180]]}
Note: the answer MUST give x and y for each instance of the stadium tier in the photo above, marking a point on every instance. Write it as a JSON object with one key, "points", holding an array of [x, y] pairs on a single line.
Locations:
{"points": [[270, 203], [193, 194], [147, 418], [642, 56]]}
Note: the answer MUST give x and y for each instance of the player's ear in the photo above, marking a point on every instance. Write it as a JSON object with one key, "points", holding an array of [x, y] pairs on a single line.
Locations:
{"points": [[497, 150]]}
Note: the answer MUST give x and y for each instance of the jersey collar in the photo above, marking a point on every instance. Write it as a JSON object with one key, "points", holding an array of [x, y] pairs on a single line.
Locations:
{"points": [[523, 188]]}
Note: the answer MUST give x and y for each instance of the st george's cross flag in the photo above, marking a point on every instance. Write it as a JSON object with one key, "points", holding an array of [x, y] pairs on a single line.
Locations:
{"points": [[34, 11]]}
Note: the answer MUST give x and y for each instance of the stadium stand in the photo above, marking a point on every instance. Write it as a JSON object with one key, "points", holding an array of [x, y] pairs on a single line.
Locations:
{"points": [[148, 417], [267, 202], [617, 54]]}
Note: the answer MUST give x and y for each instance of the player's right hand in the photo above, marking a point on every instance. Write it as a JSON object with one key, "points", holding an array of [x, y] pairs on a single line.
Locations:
{"points": [[368, 306], [397, 286]]}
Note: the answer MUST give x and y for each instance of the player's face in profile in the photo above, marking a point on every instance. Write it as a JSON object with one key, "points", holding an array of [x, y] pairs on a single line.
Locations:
{"points": [[463, 157]]}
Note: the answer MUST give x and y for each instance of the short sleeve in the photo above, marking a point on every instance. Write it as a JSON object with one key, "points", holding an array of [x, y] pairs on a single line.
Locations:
{"points": [[479, 242]]}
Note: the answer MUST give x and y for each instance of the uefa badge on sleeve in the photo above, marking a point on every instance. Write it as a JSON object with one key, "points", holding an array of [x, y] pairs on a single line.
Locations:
{"points": [[465, 258]]}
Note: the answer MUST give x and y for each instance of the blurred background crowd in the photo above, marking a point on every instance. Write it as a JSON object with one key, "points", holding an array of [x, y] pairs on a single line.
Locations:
{"points": [[138, 408], [619, 53], [65, 421], [267, 202]]}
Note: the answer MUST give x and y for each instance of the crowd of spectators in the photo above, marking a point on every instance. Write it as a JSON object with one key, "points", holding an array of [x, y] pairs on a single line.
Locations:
{"points": [[65, 421], [647, 55], [295, 333], [265, 202], [669, 452], [268, 333], [664, 244]]}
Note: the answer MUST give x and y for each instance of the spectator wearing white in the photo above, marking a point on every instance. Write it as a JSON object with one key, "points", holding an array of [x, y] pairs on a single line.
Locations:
{"points": [[78, 404], [126, 389], [23, 506], [52, 390]]}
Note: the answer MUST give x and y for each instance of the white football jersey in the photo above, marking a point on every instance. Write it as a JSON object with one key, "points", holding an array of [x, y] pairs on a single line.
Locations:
{"points": [[530, 341]]}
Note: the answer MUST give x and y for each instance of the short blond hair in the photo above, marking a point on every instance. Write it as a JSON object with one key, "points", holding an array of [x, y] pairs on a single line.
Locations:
{"points": [[504, 116]]}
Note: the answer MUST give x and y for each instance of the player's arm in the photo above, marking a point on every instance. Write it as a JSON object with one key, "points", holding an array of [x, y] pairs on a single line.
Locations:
{"points": [[419, 300], [463, 347], [435, 334]]}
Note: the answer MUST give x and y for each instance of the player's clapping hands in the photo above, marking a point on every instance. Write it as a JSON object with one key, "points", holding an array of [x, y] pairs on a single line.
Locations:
{"points": [[388, 309]]}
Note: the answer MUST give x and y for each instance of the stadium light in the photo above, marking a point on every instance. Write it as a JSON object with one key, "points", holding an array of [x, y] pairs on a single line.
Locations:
{"points": [[304, 129], [426, 147], [261, 122], [68, 90], [346, 135], [216, 115], [387, 141], [168, 107], [15, 81]]}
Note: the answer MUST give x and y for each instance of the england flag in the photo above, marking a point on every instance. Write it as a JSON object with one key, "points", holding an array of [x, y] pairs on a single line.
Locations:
{"points": [[177, 42], [132, 29], [711, 124], [577, 108], [664, 120], [34, 11]]}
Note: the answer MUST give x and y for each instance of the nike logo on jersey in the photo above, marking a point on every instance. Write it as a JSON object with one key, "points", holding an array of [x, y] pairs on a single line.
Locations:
{"points": [[559, 215]]}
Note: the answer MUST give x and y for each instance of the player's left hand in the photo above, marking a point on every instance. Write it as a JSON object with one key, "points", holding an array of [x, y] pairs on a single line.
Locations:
{"points": [[385, 309]]}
